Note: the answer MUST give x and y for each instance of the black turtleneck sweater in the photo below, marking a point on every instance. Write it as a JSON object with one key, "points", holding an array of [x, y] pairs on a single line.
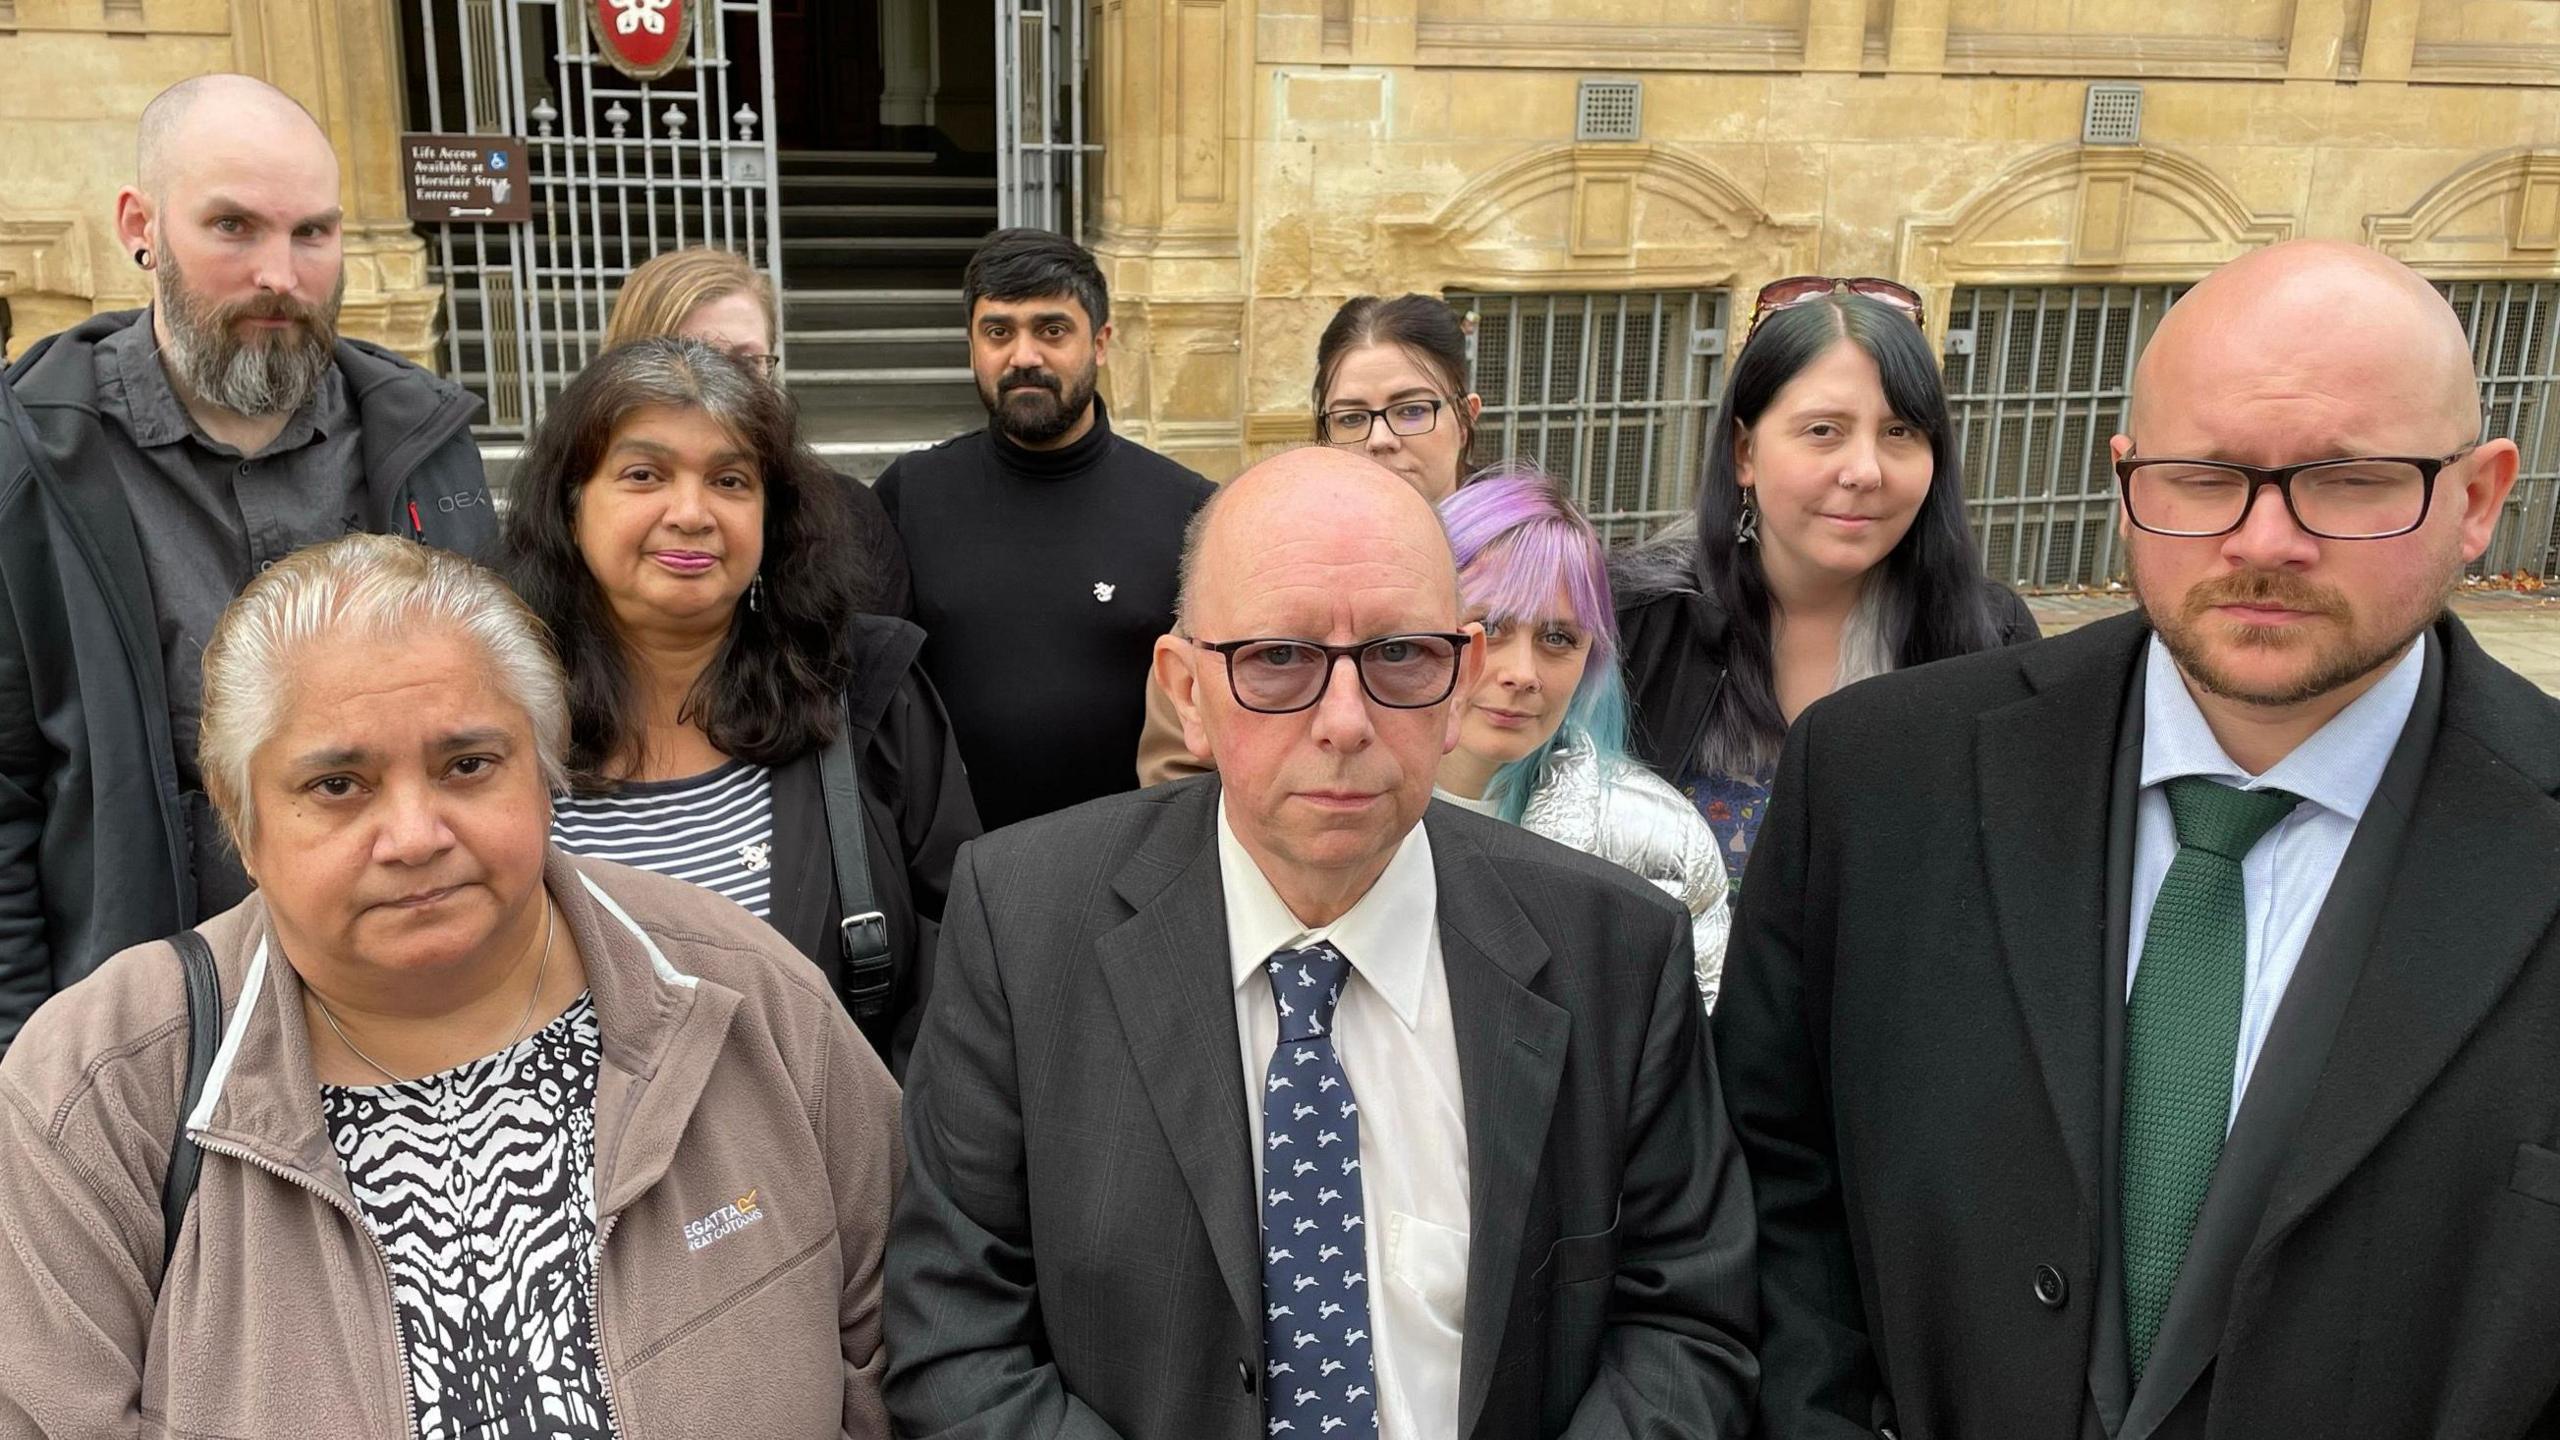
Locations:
{"points": [[1042, 579]]}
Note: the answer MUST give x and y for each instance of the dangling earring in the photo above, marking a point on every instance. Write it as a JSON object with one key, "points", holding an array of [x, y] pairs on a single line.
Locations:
{"points": [[755, 593], [1746, 527]]}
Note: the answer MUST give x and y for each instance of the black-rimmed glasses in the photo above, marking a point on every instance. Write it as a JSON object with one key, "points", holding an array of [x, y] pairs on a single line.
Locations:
{"points": [[2363, 497], [1405, 417], [1279, 676]]}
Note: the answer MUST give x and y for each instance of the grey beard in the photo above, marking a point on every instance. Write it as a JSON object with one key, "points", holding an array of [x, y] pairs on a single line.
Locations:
{"points": [[245, 378]]}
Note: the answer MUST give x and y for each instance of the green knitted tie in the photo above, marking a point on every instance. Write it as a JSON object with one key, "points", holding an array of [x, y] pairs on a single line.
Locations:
{"points": [[2182, 1032]]}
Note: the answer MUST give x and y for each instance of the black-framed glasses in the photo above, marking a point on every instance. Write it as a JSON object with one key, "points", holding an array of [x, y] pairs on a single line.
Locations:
{"points": [[1405, 417], [2360, 497], [1279, 676]]}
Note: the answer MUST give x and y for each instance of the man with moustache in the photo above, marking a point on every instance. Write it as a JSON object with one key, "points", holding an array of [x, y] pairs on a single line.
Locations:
{"points": [[2150, 1032], [1286, 1102], [1042, 547], [151, 461]]}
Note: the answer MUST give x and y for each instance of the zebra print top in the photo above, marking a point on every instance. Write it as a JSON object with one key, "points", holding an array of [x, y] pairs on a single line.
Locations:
{"points": [[479, 1183], [714, 829]]}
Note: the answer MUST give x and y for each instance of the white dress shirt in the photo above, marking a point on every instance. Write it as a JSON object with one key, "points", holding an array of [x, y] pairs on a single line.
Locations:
{"points": [[2286, 876], [1399, 1049]]}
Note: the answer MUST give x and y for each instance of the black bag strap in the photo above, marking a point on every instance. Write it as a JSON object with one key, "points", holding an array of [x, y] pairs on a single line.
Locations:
{"points": [[864, 931], [204, 1036]]}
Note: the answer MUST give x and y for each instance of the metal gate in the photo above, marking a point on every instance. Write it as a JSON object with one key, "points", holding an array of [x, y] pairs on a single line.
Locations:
{"points": [[1609, 393], [619, 169], [1042, 154], [2515, 346], [2037, 377]]}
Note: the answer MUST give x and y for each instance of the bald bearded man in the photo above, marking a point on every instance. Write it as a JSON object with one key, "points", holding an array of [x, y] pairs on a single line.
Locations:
{"points": [[151, 461], [1284, 1101], [2151, 1032]]}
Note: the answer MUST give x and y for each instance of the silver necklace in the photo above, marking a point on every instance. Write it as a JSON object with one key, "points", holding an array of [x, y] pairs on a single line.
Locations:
{"points": [[550, 923]]}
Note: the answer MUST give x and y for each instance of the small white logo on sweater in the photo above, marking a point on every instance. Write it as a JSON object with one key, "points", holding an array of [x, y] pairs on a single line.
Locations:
{"points": [[1102, 590], [724, 1222]]}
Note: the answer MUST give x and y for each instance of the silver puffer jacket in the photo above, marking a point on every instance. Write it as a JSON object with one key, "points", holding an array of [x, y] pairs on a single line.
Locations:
{"points": [[1632, 817]]}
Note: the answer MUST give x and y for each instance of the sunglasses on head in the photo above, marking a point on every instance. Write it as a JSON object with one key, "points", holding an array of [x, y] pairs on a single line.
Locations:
{"points": [[1795, 290]]}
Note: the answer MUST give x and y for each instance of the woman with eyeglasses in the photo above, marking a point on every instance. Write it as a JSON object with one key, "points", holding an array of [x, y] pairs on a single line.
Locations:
{"points": [[1391, 382], [733, 721], [715, 296], [1829, 545], [1542, 738]]}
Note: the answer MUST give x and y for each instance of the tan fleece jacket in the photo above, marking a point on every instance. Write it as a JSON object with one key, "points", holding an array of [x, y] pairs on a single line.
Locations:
{"points": [[747, 1150]]}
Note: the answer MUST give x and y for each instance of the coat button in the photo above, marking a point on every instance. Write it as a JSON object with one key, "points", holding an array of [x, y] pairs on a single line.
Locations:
{"points": [[1244, 1372], [2051, 1288]]}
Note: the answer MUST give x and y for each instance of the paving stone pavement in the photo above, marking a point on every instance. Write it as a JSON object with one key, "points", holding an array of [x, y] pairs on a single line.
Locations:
{"points": [[2522, 630]]}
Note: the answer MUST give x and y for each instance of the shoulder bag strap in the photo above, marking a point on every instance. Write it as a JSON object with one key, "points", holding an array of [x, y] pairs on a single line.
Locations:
{"points": [[204, 1036], [864, 931]]}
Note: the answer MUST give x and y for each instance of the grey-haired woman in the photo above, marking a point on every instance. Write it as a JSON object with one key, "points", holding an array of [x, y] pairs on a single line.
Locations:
{"points": [[492, 1141]]}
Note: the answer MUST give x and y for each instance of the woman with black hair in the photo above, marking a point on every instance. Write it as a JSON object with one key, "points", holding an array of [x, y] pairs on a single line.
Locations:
{"points": [[1829, 545], [734, 721]]}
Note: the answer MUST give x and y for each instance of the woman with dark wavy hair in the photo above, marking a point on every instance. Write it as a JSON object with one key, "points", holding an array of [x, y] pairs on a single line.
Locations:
{"points": [[727, 703], [1829, 545]]}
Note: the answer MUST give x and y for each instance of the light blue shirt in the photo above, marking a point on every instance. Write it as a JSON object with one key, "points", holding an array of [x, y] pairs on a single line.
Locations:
{"points": [[2287, 875]]}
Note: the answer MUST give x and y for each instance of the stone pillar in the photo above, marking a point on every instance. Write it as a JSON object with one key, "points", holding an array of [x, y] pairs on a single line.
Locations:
{"points": [[2318, 39], [1383, 32], [1835, 34], [341, 59], [1174, 79], [2390, 39], [1918, 39], [906, 63]]}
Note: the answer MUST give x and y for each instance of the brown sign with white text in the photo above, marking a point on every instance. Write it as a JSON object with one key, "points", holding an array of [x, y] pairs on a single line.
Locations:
{"points": [[465, 179]]}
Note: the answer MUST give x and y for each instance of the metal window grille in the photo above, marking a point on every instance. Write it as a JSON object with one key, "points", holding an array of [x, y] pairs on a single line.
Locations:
{"points": [[1609, 110], [1044, 160], [1610, 393], [2113, 116], [621, 170], [2037, 378], [2515, 345]]}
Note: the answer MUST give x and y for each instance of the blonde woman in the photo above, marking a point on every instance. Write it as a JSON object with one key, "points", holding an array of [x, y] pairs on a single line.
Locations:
{"points": [[716, 297]]}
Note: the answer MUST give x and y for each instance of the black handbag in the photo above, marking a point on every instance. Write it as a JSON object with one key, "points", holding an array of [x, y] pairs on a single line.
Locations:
{"points": [[864, 931]]}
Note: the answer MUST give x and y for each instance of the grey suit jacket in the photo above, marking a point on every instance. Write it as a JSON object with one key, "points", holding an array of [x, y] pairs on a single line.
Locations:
{"points": [[1076, 1248]]}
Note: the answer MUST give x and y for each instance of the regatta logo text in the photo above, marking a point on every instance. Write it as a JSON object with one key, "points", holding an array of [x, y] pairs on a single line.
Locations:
{"points": [[724, 1222]]}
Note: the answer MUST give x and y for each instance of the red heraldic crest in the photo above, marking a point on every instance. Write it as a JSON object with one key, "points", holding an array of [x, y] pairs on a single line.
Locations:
{"points": [[643, 39]]}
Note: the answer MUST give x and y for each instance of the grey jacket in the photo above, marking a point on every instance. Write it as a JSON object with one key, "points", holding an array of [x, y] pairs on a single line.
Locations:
{"points": [[730, 1077], [1631, 817], [93, 832]]}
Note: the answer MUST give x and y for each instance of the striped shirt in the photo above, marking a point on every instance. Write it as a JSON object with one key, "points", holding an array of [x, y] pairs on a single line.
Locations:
{"points": [[714, 830]]}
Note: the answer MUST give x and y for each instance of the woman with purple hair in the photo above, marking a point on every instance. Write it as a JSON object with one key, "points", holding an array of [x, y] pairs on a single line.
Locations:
{"points": [[1542, 739]]}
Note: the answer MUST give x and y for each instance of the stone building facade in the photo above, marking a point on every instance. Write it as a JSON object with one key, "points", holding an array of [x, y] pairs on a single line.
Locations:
{"points": [[1266, 159], [74, 76], [1262, 160]]}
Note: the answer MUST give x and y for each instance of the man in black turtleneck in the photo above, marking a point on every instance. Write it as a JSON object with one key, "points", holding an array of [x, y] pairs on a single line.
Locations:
{"points": [[1044, 548]]}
